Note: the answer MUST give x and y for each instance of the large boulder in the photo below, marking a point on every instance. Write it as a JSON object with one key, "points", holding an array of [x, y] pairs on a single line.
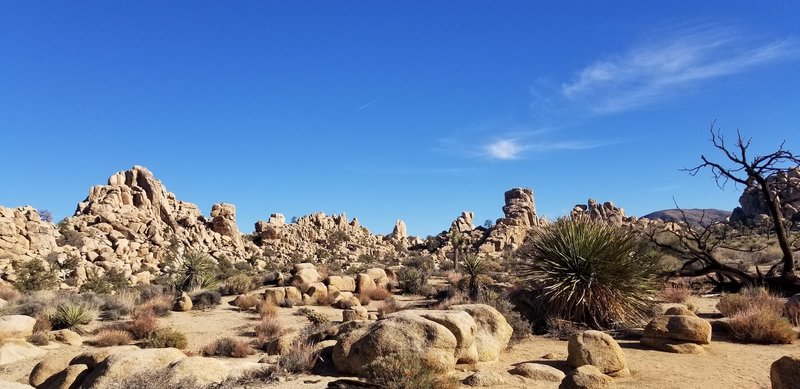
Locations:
{"points": [[460, 323], [785, 373], [67, 337], [364, 283], [682, 334], [485, 378], [599, 350], [275, 294], [12, 350], [304, 278], [493, 331], [123, 364], [209, 371], [342, 283], [16, 326], [183, 303], [538, 372], [394, 335], [47, 368], [71, 377], [586, 377], [318, 291]]}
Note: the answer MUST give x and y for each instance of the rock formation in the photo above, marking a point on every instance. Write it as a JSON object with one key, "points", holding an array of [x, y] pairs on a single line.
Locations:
{"points": [[607, 212], [786, 186], [24, 236], [520, 216]]}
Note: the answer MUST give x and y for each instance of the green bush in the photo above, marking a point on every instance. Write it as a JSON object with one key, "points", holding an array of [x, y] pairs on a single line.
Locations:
{"points": [[33, 275], [237, 284], [589, 272], [166, 337], [109, 282], [412, 280]]}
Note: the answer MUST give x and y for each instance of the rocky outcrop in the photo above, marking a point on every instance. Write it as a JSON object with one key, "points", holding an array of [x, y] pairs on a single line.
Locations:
{"points": [[520, 216], [463, 223], [606, 212], [24, 236], [785, 186]]}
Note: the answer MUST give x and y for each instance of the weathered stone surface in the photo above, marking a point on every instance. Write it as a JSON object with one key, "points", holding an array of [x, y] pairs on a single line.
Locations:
{"points": [[586, 377], [397, 334], [294, 295], [122, 364], [485, 378], [275, 294], [47, 368], [71, 377], [356, 313], [493, 331], [318, 291], [305, 278], [754, 207], [460, 323], [680, 310], [686, 328], [364, 283], [599, 350], [12, 350], [672, 346], [785, 373], [208, 371], [346, 300], [511, 230], [16, 326], [67, 337], [538, 372], [183, 303], [342, 283], [606, 212]]}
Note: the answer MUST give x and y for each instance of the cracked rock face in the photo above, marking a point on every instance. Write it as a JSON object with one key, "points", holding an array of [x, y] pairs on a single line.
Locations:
{"points": [[520, 216]]}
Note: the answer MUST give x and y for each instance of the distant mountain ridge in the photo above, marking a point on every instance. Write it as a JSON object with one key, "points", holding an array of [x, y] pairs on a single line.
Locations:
{"points": [[694, 216]]}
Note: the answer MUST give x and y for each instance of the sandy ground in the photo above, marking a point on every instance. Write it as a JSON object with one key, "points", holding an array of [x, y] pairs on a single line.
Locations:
{"points": [[724, 365]]}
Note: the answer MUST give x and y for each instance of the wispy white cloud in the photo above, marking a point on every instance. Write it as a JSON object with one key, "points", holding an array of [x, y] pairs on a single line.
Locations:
{"points": [[666, 188], [365, 106], [661, 67], [504, 149]]}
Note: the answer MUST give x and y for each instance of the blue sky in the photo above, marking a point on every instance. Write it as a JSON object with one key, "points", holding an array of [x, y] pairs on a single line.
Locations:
{"points": [[414, 110]]}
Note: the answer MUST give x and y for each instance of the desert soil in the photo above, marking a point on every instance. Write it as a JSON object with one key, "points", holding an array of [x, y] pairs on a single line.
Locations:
{"points": [[724, 365]]}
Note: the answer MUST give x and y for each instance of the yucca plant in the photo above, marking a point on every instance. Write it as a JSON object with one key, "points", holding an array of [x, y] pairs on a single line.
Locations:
{"points": [[589, 272], [474, 266], [72, 315], [195, 271]]}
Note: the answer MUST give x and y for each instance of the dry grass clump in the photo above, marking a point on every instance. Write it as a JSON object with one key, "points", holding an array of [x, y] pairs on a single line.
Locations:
{"points": [[408, 370], [8, 293], [732, 304], [237, 284], [142, 325], [39, 338], [378, 293], [111, 337], [166, 337], [792, 310], [43, 323], [326, 300], [388, 306], [227, 347], [757, 324], [117, 305], [159, 306], [267, 308], [676, 293], [363, 299], [300, 358], [268, 328]]}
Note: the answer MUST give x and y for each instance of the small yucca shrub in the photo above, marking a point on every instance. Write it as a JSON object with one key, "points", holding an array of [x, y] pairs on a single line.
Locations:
{"points": [[71, 315], [590, 272]]}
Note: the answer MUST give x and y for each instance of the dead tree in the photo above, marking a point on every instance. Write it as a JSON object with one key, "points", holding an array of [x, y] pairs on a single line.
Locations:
{"points": [[741, 168]]}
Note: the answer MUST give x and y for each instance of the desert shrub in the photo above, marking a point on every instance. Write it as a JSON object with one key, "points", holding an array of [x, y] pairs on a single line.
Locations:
{"points": [[268, 328], [315, 317], [408, 370], [227, 347], [326, 300], [206, 299], [109, 282], [159, 306], [39, 338], [761, 324], [590, 272], [72, 315], [267, 308], [388, 306], [8, 293], [147, 292], [194, 270], [142, 324], [33, 275], [120, 304], [423, 263], [412, 280], [43, 323], [378, 294], [364, 299], [675, 293], [286, 303], [792, 311], [111, 337], [247, 302], [237, 284], [563, 329], [161, 379], [299, 358], [166, 337], [734, 303]]}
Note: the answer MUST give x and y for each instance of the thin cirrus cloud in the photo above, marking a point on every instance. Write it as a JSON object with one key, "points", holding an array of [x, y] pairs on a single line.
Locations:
{"points": [[516, 148], [661, 68]]}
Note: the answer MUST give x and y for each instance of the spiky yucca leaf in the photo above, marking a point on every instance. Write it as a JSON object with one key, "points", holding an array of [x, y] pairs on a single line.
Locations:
{"points": [[589, 272], [72, 315]]}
